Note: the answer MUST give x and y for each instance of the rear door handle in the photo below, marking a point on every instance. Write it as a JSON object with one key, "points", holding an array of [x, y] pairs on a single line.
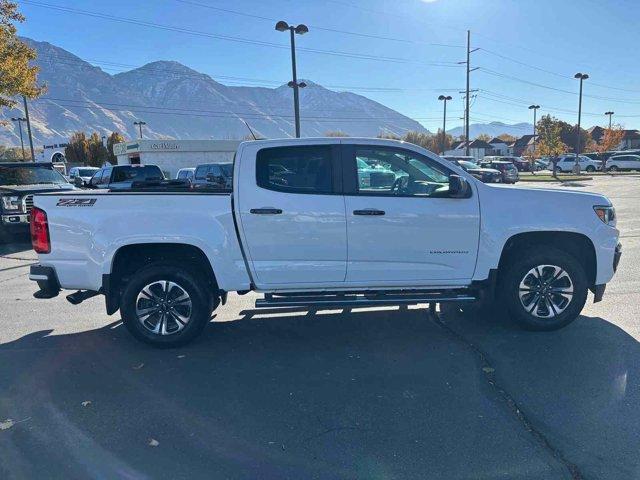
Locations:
{"points": [[369, 211], [265, 211]]}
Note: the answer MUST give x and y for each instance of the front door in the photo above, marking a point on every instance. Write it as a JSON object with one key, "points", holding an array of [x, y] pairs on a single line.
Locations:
{"points": [[293, 217], [403, 228]]}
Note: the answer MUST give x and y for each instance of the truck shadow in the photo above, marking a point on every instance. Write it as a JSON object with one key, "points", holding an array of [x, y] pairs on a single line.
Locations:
{"points": [[378, 393]]}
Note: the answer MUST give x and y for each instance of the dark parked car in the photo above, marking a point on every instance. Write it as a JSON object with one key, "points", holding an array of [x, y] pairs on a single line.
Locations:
{"points": [[218, 176], [485, 175], [121, 177], [507, 169], [18, 183]]}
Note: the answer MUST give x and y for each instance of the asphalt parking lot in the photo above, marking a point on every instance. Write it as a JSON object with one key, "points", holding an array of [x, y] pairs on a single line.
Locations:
{"points": [[369, 393]]}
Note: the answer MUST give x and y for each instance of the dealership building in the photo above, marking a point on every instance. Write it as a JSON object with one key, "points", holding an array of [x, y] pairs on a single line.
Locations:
{"points": [[172, 155]]}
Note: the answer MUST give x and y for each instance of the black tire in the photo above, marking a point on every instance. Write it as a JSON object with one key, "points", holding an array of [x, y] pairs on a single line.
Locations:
{"points": [[518, 270], [613, 168], [200, 309], [591, 169]]}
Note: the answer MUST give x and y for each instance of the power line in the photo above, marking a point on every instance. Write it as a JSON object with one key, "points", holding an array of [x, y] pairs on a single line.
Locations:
{"points": [[317, 27], [336, 53]]}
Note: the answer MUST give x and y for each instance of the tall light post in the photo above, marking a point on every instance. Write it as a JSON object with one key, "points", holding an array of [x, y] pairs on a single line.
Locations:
{"points": [[301, 29], [535, 137], [139, 125], [19, 120], [582, 77], [610, 114], [445, 99]]}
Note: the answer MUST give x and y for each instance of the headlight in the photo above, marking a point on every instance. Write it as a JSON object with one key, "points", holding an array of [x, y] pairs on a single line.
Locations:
{"points": [[11, 203], [606, 214]]}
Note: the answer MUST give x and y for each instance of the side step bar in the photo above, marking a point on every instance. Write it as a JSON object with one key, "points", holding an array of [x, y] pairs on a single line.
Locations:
{"points": [[364, 299]]}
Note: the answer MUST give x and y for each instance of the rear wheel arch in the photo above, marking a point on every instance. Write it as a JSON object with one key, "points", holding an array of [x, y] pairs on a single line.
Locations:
{"points": [[129, 259]]}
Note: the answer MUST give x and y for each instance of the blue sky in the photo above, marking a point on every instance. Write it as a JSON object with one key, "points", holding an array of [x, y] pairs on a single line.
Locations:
{"points": [[529, 50]]}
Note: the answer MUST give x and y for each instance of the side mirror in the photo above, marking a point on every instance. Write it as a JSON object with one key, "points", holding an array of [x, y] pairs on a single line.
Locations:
{"points": [[458, 187]]}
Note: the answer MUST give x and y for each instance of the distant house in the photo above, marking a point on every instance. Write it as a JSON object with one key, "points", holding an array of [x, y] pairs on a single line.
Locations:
{"points": [[630, 140], [521, 144], [478, 149], [499, 146]]}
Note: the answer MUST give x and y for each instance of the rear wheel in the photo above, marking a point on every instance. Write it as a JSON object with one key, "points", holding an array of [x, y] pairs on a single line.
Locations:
{"points": [[591, 168], [613, 168], [544, 290], [165, 305]]}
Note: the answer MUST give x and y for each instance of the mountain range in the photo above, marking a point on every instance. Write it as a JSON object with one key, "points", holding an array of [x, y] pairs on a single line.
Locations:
{"points": [[178, 102], [493, 129]]}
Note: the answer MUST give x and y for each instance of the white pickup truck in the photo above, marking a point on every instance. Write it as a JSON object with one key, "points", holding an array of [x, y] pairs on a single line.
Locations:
{"points": [[306, 226]]}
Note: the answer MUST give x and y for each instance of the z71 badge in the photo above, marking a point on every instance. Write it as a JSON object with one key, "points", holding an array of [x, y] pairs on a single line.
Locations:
{"points": [[76, 202]]}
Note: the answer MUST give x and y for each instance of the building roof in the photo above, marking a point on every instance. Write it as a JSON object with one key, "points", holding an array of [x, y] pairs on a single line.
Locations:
{"points": [[497, 140], [480, 144], [523, 141]]}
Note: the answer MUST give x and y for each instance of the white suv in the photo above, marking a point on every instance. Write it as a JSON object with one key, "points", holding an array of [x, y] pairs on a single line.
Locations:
{"points": [[566, 163], [623, 162]]}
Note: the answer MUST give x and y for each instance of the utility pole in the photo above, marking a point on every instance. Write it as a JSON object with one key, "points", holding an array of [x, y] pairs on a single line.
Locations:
{"points": [[301, 29], [19, 120], [139, 125], [468, 91], [582, 77], [444, 120], [610, 114], [26, 114]]}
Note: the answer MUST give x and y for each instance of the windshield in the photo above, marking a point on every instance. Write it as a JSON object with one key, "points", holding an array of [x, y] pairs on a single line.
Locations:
{"points": [[87, 172], [467, 165], [30, 176]]}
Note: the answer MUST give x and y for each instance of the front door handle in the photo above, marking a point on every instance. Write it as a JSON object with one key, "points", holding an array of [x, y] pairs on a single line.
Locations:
{"points": [[265, 211], [369, 211]]}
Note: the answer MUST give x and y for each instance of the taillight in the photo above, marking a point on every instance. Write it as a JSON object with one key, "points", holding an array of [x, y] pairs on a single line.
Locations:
{"points": [[40, 231]]}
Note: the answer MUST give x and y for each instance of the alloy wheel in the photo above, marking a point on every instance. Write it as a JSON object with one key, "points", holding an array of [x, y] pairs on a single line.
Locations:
{"points": [[546, 291], [163, 307]]}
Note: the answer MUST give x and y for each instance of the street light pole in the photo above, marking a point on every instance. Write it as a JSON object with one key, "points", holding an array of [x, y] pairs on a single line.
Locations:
{"points": [[301, 29], [535, 137], [582, 77], [610, 114], [139, 125], [20, 120], [444, 120]]}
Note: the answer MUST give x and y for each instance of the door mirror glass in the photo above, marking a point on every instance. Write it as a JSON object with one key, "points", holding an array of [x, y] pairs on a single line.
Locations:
{"points": [[458, 187]]}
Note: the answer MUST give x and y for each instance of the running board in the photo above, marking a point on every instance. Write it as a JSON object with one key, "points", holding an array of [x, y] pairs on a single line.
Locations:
{"points": [[363, 299]]}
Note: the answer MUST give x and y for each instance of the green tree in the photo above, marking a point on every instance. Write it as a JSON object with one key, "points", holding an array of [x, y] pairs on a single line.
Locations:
{"points": [[17, 77], [113, 139], [77, 151], [98, 153], [12, 154]]}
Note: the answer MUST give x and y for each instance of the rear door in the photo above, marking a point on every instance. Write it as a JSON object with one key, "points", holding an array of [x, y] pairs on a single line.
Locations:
{"points": [[404, 229], [292, 214]]}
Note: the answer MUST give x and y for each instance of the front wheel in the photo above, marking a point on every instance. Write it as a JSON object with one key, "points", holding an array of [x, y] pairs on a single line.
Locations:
{"points": [[545, 289], [165, 305], [613, 168], [591, 169]]}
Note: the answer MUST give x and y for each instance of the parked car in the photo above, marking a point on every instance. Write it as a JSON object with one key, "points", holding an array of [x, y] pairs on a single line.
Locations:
{"points": [[465, 158], [565, 163], [507, 169], [186, 174], [623, 162], [540, 165], [121, 177], [520, 163], [19, 181], [485, 175], [80, 176], [321, 240], [218, 176]]}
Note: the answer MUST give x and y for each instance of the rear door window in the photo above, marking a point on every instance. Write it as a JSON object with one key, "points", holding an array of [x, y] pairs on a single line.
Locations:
{"points": [[304, 169]]}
